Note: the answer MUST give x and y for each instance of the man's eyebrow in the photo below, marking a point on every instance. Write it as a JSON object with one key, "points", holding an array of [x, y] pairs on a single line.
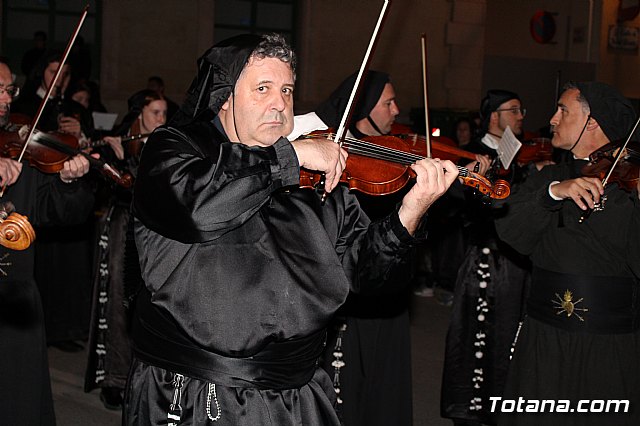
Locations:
{"points": [[271, 82]]}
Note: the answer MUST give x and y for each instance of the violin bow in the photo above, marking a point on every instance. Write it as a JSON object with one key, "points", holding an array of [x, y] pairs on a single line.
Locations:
{"points": [[65, 55], [346, 117], [348, 112], [613, 166], [423, 40]]}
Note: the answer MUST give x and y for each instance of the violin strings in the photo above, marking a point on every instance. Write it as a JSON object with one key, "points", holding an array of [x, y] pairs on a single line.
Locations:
{"points": [[371, 150]]}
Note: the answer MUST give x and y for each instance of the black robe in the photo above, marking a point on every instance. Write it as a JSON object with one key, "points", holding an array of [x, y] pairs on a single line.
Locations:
{"points": [[25, 394], [244, 269], [369, 345], [488, 306], [115, 267], [551, 362]]}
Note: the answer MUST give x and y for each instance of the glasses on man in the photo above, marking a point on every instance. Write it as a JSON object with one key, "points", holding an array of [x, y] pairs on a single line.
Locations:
{"points": [[515, 110], [13, 91]]}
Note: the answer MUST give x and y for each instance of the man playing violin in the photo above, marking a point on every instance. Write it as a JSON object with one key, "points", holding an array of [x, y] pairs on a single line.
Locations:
{"points": [[491, 282], [25, 396], [581, 337], [66, 314], [371, 332], [60, 114], [243, 269]]}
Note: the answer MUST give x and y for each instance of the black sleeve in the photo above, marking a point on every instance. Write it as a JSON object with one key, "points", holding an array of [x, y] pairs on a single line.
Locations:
{"points": [[195, 187], [59, 203]]}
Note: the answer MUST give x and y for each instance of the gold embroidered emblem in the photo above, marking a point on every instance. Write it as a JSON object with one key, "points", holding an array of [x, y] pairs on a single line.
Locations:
{"points": [[567, 305], [3, 264]]}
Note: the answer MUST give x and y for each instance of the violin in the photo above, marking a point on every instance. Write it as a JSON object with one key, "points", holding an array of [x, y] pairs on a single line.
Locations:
{"points": [[626, 173], [379, 165], [441, 147], [615, 162], [47, 152], [446, 147], [535, 150], [531, 151], [16, 232]]}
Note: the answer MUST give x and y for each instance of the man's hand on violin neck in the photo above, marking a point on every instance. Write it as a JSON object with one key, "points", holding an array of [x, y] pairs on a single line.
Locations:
{"points": [[484, 163], [9, 171], [322, 155], [74, 168], [433, 178], [584, 191]]}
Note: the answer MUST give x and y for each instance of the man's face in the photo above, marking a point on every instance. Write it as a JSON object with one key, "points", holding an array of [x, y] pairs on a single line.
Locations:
{"points": [[509, 114], [262, 103], [6, 80], [568, 121], [463, 133], [63, 79], [386, 110]]}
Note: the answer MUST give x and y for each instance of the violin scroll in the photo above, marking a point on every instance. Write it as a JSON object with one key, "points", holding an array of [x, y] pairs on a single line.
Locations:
{"points": [[125, 180], [16, 232], [627, 170], [499, 190]]}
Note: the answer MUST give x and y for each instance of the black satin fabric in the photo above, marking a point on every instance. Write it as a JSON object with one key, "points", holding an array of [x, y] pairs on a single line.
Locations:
{"points": [[25, 389], [279, 365], [240, 258], [309, 405]]}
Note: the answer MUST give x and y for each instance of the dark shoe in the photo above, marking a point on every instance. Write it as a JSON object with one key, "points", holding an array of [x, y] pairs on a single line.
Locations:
{"points": [[111, 398], [68, 346]]}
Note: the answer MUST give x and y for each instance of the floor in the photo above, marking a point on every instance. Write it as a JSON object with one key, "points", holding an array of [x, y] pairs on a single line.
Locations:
{"points": [[429, 322]]}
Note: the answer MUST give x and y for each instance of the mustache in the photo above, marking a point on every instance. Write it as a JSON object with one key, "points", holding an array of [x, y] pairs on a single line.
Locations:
{"points": [[277, 116]]}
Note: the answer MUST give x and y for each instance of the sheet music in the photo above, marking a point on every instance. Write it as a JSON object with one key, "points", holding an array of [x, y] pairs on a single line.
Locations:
{"points": [[508, 147], [104, 120]]}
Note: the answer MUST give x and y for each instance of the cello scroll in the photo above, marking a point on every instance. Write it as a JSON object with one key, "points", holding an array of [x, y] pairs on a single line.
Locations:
{"points": [[16, 232]]}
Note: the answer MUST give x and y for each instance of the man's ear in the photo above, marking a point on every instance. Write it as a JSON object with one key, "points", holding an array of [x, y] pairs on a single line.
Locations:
{"points": [[592, 124], [493, 118], [225, 106]]}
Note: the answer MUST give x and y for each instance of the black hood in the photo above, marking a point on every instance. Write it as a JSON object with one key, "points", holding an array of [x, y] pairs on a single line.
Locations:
{"points": [[218, 71], [331, 110]]}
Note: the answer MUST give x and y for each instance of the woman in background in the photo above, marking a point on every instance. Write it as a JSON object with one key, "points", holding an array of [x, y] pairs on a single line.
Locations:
{"points": [[116, 258]]}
